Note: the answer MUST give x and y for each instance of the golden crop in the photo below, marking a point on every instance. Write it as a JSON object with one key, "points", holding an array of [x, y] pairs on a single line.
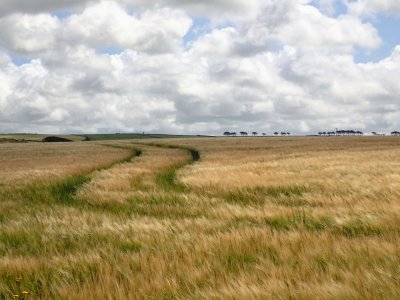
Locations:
{"points": [[254, 218]]}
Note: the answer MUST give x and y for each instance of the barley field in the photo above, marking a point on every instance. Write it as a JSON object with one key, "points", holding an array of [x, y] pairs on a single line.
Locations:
{"points": [[205, 218]]}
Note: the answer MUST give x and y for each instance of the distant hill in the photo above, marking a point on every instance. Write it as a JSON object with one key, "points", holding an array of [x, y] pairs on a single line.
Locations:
{"points": [[55, 139], [129, 136], [29, 137]]}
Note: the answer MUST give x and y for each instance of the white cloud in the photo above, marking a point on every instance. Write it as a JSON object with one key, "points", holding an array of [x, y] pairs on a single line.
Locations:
{"points": [[219, 9], [372, 7], [313, 29], [304, 26], [37, 6], [105, 24], [29, 33], [282, 65], [6, 68], [108, 24]]}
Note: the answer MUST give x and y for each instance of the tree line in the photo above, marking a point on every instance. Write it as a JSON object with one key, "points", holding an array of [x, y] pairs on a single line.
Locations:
{"points": [[321, 133], [254, 133], [341, 133]]}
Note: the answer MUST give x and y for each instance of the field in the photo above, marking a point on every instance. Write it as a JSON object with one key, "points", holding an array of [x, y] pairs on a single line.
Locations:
{"points": [[206, 218], [129, 136]]}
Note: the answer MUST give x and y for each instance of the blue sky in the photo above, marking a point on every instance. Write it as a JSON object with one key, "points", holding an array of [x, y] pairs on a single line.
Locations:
{"points": [[389, 31], [62, 14], [200, 27], [388, 26]]}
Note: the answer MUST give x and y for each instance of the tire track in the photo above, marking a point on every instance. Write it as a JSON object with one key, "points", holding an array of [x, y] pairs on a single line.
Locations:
{"points": [[64, 191]]}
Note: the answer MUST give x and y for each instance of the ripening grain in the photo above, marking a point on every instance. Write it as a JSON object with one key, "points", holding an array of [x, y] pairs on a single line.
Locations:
{"points": [[255, 218], [23, 163]]}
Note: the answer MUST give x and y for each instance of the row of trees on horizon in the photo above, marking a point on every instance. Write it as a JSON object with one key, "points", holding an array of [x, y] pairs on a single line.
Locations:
{"points": [[341, 132], [321, 133], [254, 133]]}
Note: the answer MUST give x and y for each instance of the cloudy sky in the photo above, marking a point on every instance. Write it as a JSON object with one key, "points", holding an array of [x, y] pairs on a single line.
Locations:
{"points": [[199, 66]]}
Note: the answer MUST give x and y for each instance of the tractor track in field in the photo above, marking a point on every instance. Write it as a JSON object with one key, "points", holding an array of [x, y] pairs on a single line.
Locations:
{"points": [[64, 191], [167, 177], [146, 186]]}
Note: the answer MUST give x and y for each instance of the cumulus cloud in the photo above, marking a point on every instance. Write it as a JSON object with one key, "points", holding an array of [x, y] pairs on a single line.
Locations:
{"points": [[304, 26], [37, 6], [281, 65], [6, 67], [372, 7], [107, 23], [310, 28], [219, 9], [29, 33]]}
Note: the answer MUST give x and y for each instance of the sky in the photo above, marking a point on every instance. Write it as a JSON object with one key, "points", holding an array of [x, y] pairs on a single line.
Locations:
{"points": [[199, 67]]}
